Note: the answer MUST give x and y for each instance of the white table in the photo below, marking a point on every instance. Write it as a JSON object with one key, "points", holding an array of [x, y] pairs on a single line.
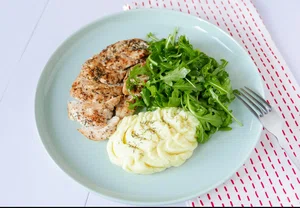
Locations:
{"points": [[30, 32]]}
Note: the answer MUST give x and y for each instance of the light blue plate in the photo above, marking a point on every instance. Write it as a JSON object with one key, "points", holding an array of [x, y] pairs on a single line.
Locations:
{"points": [[87, 162]]}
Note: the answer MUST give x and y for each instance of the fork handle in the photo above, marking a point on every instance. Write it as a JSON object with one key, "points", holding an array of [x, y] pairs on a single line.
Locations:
{"points": [[285, 147]]}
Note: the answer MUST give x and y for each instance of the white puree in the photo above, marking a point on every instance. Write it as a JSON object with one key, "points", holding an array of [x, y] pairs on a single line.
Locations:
{"points": [[150, 142]]}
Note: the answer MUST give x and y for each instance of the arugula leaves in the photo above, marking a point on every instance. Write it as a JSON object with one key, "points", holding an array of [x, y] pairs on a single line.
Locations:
{"points": [[181, 76], [175, 75]]}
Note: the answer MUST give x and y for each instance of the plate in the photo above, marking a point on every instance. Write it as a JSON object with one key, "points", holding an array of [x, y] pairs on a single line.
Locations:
{"points": [[87, 161]]}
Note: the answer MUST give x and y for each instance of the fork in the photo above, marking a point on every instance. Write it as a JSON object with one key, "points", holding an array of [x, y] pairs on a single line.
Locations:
{"points": [[269, 118]]}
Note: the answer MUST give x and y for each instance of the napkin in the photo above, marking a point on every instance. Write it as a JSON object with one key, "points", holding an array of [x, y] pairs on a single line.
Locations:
{"points": [[268, 177]]}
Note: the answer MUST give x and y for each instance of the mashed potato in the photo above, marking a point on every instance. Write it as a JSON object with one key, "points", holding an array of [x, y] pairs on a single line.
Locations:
{"points": [[153, 141]]}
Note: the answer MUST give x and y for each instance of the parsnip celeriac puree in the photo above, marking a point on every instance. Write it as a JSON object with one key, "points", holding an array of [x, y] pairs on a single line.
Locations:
{"points": [[150, 142]]}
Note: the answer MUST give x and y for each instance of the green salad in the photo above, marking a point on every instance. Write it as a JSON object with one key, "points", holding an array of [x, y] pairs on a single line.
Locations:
{"points": [[182, 76]]}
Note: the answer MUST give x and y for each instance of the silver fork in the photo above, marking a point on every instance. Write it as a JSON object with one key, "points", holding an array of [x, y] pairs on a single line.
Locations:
{"points": [[267, 116]]}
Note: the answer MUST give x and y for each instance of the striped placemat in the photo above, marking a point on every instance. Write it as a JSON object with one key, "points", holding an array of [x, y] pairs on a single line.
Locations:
{"points": [[268, 178]]}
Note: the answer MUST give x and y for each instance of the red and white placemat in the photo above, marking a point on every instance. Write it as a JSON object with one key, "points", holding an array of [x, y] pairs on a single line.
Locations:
{"points": [[268, 178]]}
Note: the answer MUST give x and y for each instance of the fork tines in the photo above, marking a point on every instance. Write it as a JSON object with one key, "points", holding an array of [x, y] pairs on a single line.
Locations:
{"points": [[254, 102]]}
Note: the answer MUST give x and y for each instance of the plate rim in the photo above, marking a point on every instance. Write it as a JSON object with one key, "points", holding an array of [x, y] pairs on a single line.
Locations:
{"points": [[69, 173]]}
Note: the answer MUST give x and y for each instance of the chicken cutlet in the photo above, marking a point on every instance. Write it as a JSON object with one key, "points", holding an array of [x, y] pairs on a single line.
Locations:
{"points": [[99, 87], [92, 113], [111, 64], [98, 133], [89, 90], [122, 109]]}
